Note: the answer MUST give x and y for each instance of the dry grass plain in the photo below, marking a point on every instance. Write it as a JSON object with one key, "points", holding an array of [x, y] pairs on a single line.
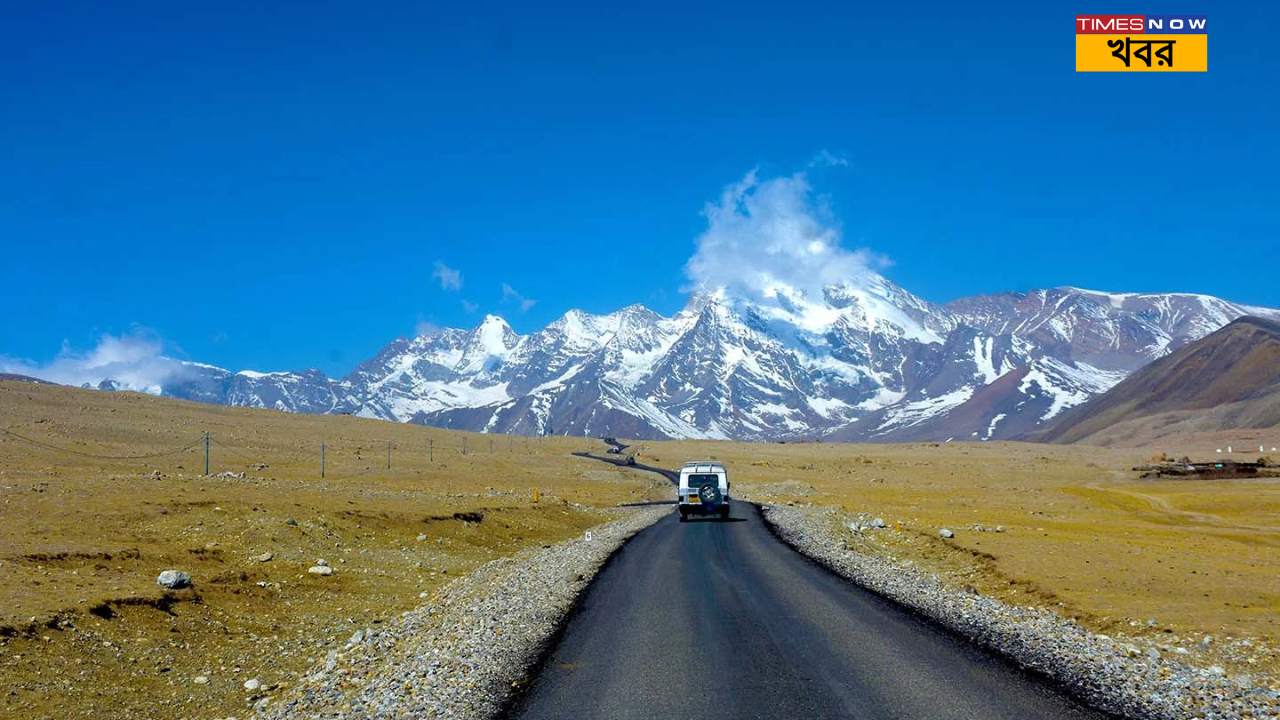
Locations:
{"points": [[85, 631], [1082, 534]]}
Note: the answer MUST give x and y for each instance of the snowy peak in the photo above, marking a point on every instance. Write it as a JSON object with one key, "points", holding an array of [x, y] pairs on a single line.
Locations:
{"points": [[487, 346]]}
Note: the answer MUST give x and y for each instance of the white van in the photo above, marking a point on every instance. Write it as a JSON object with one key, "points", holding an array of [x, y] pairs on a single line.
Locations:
{"points": [[703, 490]]}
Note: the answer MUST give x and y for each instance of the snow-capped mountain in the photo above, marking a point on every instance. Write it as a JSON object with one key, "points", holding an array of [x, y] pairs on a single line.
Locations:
{"points": [[865, 362]]}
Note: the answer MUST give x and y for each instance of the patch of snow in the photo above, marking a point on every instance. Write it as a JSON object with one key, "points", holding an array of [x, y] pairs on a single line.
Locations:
{"points": [[992, 427], [983, 352], [914, 413]]}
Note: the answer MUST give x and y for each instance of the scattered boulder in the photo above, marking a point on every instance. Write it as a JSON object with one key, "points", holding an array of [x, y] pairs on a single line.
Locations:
{"points": [[321, 570], [322, 562], [291, 522], [253, 685], [174, 579], [944, 532], [264, 557], [201, 680], [878, 523]]}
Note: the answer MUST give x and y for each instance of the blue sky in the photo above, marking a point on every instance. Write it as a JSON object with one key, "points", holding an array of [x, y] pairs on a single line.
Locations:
{"points": [[272, 185]]}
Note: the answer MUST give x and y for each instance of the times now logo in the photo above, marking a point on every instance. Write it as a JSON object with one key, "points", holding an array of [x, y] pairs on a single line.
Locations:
{"points": [[1141, 24]]}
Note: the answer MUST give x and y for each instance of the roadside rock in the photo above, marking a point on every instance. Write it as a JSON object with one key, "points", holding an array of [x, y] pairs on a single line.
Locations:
{"points": [[946, 533], [321, 570], [174, 579]]}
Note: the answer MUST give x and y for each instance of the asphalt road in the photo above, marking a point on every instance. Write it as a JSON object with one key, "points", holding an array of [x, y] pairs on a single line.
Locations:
{"points": [[713, 620]]}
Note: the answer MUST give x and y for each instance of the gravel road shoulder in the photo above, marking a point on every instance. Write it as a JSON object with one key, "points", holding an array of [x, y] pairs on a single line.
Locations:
{"points": [[1112, 674], [463, 653]]}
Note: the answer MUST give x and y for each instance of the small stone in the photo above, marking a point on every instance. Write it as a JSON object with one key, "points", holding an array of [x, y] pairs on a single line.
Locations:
{"points": [[1216, 670], [357, 638], [944, 532], [174, 579], [201, 680], [1153, 655], [878, 523], [322, 562], [421, 538], [253, 685], [322, 570], [264, 557], [291, 522]]}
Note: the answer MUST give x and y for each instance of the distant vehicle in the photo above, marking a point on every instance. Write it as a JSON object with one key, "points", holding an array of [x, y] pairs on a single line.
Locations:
{"points": [[631, 460], [703, 490]]}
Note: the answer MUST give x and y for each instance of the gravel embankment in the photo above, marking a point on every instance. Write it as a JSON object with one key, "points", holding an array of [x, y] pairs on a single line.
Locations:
{"points": [[462, 654], [1117, 676]]}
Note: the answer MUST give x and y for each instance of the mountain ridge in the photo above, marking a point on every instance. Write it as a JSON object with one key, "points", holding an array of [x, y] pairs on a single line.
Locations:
{"points": [[863, 362]]}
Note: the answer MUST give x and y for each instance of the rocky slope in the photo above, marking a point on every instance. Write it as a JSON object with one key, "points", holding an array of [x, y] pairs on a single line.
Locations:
{"points": [[1229, 379]]}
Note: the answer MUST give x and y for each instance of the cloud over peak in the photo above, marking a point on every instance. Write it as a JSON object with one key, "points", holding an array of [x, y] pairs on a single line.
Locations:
{"points": [[766, 237], [133, 360]]}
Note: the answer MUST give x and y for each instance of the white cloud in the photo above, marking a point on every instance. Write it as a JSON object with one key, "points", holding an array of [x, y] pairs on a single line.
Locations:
{"points": [[469, 306], [133, 361], [764, 237], [509, 294], [449, 278], [425, 327], [825, 158]]}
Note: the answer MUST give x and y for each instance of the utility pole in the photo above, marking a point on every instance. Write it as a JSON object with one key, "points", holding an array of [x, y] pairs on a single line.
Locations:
{"points": [[206, 452], [322, 460], [388, 454]]}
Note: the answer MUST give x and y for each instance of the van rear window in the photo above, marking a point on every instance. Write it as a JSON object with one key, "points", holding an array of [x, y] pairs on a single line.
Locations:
{"points": [[697, 481]]}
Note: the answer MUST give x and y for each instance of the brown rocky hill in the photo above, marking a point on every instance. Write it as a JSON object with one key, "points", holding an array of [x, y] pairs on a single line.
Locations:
{"points": [[1229, 379]]}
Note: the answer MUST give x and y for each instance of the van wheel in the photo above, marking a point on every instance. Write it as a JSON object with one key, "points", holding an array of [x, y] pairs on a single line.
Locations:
{"points": [[684, 518]]}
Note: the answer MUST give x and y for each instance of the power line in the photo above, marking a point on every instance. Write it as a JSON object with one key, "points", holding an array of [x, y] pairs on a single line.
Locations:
{"points": [[232, 451], [95, 455]]}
